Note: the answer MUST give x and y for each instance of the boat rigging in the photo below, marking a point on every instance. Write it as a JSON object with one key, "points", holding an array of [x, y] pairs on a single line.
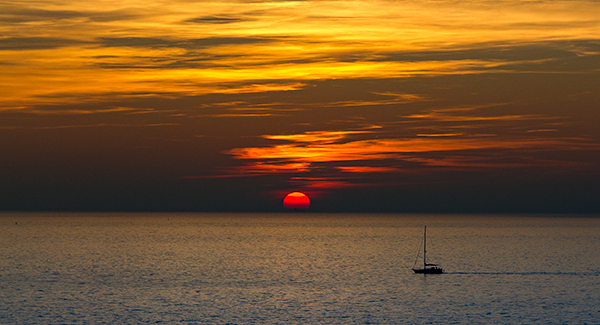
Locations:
{"points": [[428, 268]]}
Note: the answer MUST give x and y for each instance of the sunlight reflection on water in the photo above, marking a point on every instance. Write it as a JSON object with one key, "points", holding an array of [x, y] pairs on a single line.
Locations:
{"points": [[296, 268]]}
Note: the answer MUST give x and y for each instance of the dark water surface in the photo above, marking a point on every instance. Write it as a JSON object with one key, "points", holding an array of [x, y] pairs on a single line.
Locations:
{"points": [[80, 268]]}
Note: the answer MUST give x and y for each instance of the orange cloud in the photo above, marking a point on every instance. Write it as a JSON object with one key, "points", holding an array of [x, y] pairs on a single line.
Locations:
{"points": [[323, 184], [315, 136], [462, 118], [310, 149], [240, 115], [367, 169], [439, 134], [394, 148], [126, 110], [483, 162], [259, 88], [397, 99], [73, 126], [270, 168]]}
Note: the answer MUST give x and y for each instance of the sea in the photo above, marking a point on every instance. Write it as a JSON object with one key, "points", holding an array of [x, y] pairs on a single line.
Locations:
{"points": [[297, 268]]}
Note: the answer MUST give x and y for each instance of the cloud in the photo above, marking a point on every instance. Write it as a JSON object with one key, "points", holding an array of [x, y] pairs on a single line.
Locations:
{"points": [[396, 99], [128, 110], [193, 43], [324, 184], [367, 169], [316, 148], [202, 48], [214, 20], [273, 168], [542, 130], [78, 126], [23, 14], [262, 88], [35, 43], [239, 115], [461, 118], [374, 149], [315, 136], [498, 51], [473, 113], [439, 134], [19, 14]]}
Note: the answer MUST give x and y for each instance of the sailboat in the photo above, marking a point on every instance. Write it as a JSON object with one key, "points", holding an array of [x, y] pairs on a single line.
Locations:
{"points": [[428, 268]]}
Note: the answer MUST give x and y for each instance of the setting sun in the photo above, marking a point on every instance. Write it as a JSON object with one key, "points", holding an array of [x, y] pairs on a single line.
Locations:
{"points": [[296, 201]]}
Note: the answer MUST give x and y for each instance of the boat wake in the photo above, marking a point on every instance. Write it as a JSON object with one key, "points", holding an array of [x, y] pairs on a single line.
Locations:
{"points": [[597, 273]]}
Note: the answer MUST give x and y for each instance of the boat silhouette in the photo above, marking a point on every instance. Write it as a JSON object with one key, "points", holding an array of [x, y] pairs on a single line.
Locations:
{"points": [[428, 268]]}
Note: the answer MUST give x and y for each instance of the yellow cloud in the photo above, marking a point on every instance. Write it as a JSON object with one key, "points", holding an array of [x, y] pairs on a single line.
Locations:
{"points": [[141, 48]]}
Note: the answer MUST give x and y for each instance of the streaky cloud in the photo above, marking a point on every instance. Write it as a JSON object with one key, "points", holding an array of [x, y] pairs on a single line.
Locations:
{"points": [[79, 126], [240, 115], [316, 136], [367, 169], [525, 51], [16, 14], [36, 43], [197, 43], [396, 148], [127, 110], [214, 20]]}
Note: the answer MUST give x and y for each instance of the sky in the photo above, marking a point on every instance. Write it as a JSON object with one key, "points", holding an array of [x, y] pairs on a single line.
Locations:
{"points": [[365, 106]]}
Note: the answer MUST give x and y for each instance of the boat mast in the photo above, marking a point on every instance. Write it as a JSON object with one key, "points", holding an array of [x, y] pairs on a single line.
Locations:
{"points": [[425, 248]]}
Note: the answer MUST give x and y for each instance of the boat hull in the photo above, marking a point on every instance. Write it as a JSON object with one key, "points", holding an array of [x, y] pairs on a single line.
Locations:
{"points": [[431, 270]]}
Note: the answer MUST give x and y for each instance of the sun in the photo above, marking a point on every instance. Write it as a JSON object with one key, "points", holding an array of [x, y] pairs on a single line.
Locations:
{"points": [[296, 201]]}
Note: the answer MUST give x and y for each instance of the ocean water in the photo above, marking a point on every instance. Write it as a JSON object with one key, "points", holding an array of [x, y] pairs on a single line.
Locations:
{"points": [[304, 268]]}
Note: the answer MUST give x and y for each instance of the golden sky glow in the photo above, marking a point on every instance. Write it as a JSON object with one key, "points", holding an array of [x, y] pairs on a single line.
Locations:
{"points": [[303, 94], [53, 52]]}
